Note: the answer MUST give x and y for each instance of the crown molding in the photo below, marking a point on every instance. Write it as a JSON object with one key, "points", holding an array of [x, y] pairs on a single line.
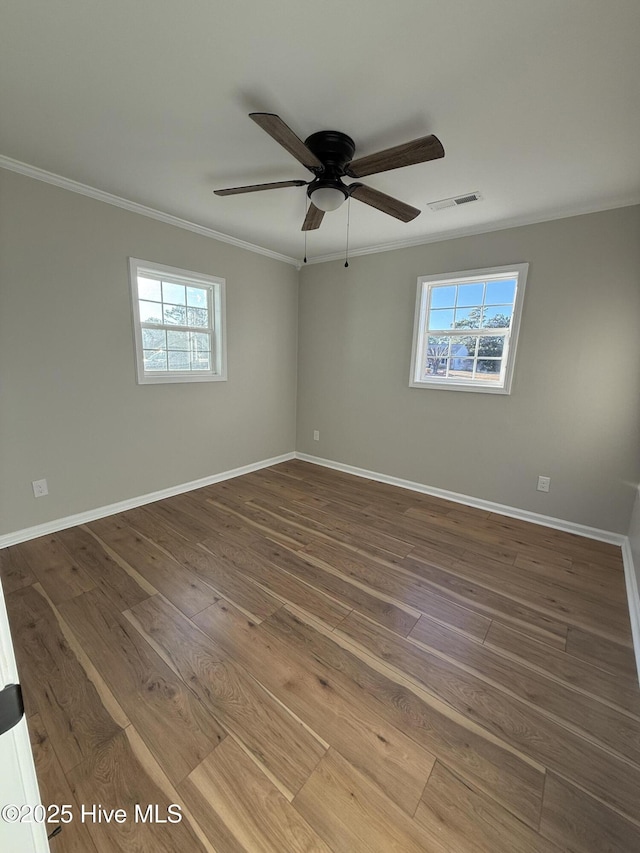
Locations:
{"points": [[134, 207], [470, 231]]}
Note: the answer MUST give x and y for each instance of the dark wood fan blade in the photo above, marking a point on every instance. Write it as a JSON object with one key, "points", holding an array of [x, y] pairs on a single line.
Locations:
{"points": [[313, 218], [384, 202], [283, 134], [256, 188], [417, 151]]}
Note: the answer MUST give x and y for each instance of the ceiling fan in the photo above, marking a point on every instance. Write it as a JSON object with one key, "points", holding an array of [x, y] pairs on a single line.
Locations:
{"points": [[329, 155]]}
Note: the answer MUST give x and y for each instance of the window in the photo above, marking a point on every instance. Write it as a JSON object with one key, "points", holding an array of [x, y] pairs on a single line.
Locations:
{"points": [[466, 329], [178, 317]]}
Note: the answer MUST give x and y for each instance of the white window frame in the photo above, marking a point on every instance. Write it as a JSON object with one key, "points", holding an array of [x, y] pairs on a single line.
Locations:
{"points": [[426, 284], [215, 288]]}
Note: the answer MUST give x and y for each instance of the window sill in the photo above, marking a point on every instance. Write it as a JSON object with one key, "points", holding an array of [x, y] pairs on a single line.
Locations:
{"points": [[461, 386], [163, 379]]}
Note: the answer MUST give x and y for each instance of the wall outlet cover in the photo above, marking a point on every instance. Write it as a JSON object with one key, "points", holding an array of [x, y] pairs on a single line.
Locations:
{"points": [[40, 488], [544, 483]]}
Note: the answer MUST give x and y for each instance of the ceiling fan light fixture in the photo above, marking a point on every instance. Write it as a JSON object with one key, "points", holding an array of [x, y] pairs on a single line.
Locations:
{"points": [[328, 198]]}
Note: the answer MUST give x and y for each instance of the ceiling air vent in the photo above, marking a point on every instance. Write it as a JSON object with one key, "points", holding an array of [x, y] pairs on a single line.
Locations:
{"points": [[454, 202]]}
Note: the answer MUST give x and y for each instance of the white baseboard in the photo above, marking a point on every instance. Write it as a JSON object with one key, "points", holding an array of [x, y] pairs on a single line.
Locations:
{"points": [[131, 503], [478, 503], [633, 598]]}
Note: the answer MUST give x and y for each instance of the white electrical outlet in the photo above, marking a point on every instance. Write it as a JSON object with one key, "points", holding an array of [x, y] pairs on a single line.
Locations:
{"points": [[544, 484], [40, 488], [316, 435]]}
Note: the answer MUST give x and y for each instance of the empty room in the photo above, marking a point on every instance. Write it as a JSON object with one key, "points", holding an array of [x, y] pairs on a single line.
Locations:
{"points": [[319, 427]]}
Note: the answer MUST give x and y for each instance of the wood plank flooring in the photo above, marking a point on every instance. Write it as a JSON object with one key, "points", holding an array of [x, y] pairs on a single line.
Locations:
{"points": [[302, 660]]}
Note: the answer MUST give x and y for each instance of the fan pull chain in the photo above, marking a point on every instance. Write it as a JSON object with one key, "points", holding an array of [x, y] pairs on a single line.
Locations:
{"points": [[346, 259], [306, 208]]}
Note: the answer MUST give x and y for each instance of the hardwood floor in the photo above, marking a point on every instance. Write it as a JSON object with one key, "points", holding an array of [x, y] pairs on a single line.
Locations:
{"points": [[302, 660]]}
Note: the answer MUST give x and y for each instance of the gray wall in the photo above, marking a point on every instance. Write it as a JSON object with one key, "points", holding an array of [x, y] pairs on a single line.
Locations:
{"points": [[71, 411], [70, 408], [573, 412]]}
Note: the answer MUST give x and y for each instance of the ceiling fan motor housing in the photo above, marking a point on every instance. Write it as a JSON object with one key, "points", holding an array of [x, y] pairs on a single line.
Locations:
{"points": [[335, 150]]}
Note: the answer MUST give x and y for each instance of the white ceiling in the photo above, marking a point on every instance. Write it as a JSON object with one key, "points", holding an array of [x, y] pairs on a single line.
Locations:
{"points": [[537, 104]]}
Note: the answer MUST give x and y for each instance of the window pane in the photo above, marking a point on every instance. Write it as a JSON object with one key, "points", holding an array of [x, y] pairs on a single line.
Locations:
{"points": [[148, 288], [489, 368], [499, 292], [174, 293], [155, 359], [498, 317], [443, 297], [470, 343], [200, 341], [435, 367], [441, 319], [154, 339], [175, 315], [178, 360], [438, 344], [197, 297], [437, 352], [197, 317], [461, 369], [491, 346], [201, 361], [462, 355], [178, 340], [468, 318], [470, 294], [150, 312]]}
